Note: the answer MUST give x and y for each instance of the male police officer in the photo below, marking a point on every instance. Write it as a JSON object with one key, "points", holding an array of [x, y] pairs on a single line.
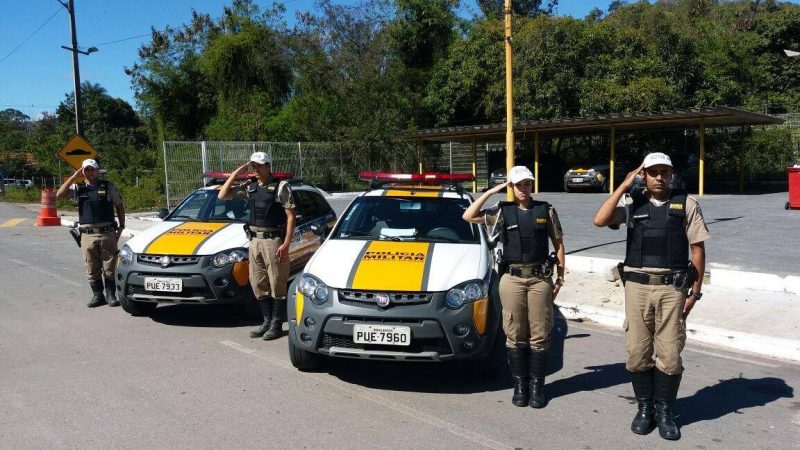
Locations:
{"points": [[97, 201], [270, 229], [663, 226], [526, 288]]}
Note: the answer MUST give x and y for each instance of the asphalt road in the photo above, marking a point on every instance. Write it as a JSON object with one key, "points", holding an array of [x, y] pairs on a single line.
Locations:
{"points": [[189, 377]]}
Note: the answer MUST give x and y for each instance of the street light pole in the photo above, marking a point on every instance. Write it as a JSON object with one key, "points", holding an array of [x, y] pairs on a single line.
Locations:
{"points": [[76, 73]]}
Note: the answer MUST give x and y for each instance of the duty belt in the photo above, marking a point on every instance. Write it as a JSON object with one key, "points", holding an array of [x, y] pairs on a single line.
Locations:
{"points": [[526, 272], [265, 234], [97, 230], [644, 278]]}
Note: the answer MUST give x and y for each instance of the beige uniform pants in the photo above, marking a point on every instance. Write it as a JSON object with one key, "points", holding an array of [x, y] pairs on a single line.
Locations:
{"points": [[527, 311], [99, 252], [267, 276], [654, 323]]}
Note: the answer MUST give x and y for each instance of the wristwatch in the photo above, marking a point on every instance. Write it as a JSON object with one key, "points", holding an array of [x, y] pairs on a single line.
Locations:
{"points": [[696, 295], [560, 281]]}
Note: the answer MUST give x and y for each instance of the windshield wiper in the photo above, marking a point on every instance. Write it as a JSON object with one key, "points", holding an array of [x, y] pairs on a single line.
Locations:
{"points": [[356, 233], [187, 217], [438, 238]]}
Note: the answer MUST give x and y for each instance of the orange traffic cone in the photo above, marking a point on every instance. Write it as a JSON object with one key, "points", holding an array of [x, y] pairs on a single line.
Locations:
{"points": [[48, 216]]}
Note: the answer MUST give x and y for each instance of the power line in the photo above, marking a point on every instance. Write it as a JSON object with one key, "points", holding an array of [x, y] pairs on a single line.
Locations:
{"points": [[31, 35], [122, 40]]}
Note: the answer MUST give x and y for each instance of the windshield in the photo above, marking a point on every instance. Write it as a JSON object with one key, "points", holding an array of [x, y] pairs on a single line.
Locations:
{"points": [[204, 206], [435, 219]]}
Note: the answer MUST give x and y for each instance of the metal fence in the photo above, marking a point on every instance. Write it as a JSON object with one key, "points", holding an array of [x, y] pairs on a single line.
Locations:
{"points": [[331, 166]]}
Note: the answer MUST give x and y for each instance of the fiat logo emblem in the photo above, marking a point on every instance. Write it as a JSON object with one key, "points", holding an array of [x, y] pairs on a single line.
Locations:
{"points": [[383, 300], [164, 261]]}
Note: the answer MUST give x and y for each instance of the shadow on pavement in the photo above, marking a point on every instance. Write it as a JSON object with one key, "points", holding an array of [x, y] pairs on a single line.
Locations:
{"points": [[599, 377], [218, 316], [730, 396]]}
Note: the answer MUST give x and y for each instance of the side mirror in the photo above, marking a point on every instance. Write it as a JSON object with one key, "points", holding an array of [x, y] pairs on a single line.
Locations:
{"points": [[162, 212], [318, 230]]}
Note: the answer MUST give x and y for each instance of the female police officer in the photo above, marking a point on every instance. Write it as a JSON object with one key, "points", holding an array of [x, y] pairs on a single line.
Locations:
{"points": [[527, 291]]}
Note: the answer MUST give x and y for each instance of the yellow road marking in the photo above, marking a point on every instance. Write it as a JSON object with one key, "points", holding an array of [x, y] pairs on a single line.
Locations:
{"points": [[11, 223]]}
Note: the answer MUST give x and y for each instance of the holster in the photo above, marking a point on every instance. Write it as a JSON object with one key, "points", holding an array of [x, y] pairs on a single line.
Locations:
{"points": [[548, 265], [76, 234]]}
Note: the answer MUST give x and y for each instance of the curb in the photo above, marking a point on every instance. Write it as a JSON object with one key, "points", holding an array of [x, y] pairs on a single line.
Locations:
{"points": [[735, 279], [786, 349]]}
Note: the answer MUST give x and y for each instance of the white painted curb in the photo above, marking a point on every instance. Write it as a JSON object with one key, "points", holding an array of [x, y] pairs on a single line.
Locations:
{"points": [[734, 279], [786, 349]]}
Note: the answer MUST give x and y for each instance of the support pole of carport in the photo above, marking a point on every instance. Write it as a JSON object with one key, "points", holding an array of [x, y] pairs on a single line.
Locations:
{"points": [[742, 156], [536, 162], [701, 166], [611, 167], [474, 166], [419, 155]]}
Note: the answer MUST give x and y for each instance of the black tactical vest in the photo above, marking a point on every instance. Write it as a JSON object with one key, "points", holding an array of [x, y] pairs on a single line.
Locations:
{"points": [[524, 236], [658, 236], [265, 211], [94, 206]]}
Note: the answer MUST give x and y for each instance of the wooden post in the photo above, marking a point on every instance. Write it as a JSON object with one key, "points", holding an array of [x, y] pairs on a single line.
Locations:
{"points": [[611, 167], [509, 100], [474, 166], [701, 167], [536, 162]]}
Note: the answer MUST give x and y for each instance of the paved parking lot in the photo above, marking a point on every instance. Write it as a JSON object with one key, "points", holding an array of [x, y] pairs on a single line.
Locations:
{"points": [[748, 232]]}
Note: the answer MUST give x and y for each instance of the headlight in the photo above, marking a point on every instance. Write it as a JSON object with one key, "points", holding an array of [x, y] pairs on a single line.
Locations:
{"points": [[228, 256], [126, 254], [313, 288], [465, 293]]}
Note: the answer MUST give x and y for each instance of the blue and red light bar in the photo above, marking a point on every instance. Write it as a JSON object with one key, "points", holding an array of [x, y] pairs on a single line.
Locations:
{"points": [[245, 176], [427, 177]]}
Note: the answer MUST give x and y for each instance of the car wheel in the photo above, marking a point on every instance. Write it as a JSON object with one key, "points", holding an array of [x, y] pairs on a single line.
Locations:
{"points": [[303, 360], [567, 189], [604, 186], [787, 206], [135, 308]]}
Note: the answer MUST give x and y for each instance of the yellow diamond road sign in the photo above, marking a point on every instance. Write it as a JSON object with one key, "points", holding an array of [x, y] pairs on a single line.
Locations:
{"points": [[76, 150]]}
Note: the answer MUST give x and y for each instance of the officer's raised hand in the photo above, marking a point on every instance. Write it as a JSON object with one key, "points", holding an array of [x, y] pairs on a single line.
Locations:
{"points": [[630, 178]]}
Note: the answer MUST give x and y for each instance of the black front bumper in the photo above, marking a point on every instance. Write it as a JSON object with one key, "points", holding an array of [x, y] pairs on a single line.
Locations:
{"points": [[202, 282], [432, 328]]}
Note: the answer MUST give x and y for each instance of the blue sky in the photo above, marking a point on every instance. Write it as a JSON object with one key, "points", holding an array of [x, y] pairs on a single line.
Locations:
{"points": [[36, 76]]}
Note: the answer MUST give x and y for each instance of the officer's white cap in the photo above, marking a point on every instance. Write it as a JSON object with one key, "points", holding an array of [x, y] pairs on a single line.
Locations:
{"points": [[654, 159], [519, 173], [260, 158], [89, 163]]}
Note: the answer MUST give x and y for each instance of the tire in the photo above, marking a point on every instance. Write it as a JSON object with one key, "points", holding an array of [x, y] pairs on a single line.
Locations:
{"points": [[137, 308], [303, 360], [567, 189], [604, 186], [787, 206]]}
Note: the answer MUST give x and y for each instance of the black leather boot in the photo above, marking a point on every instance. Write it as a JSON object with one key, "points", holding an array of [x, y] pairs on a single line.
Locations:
{"points": [[111, 292], [265, 304], [644, 421], [97, 294], [665, 391], [537, 367], [518, 362], [276, 324]]}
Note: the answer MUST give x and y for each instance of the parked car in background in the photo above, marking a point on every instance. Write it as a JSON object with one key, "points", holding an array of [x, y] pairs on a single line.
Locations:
{"points": [[592, 177]]}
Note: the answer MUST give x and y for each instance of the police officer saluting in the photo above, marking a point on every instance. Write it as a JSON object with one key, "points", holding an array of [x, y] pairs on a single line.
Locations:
{"points": [[270, 229], [527, 290], [97, 201], [665, 230]]}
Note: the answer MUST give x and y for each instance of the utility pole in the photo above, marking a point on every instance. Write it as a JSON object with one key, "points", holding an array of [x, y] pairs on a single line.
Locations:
{"points": [[509, 101], [76, 74]]}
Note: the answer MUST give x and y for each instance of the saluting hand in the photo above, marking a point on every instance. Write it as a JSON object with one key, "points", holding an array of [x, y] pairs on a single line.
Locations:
{"points": [[631, 177], [498, 188], [241, 168]]}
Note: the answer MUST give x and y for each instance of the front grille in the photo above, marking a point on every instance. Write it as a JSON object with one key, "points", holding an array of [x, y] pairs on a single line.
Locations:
{"points": [[367, 298], [155, 260], [438, 345]]}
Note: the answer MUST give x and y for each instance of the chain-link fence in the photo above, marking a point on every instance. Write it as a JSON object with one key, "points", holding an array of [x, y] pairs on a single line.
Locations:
{"points": [[331, 166]]}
